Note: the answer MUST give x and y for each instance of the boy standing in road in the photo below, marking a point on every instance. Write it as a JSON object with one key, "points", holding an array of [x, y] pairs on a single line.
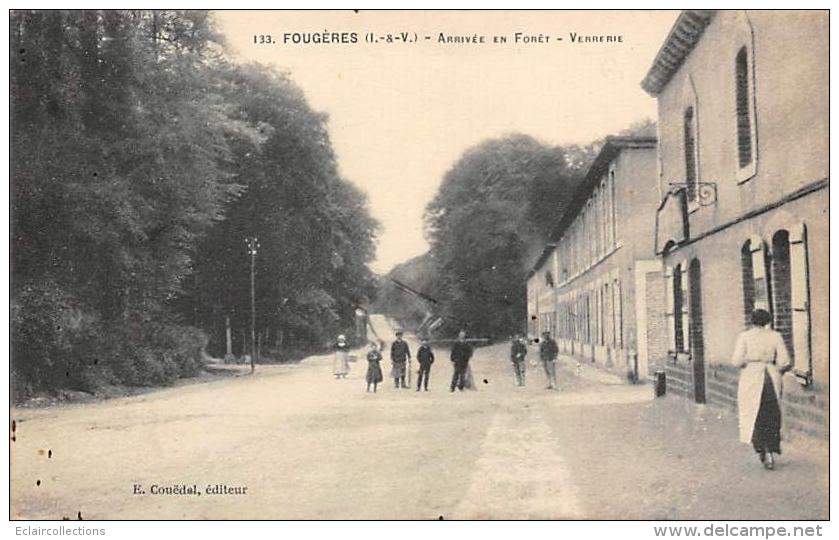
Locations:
{"points": [[425, 356]]}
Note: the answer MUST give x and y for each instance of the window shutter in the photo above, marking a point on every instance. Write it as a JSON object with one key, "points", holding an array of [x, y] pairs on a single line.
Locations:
{"points": [[800, 298]]}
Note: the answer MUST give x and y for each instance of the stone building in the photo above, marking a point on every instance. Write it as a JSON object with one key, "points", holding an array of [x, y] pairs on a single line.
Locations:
{"points": [[598, 287], [743, 219]]}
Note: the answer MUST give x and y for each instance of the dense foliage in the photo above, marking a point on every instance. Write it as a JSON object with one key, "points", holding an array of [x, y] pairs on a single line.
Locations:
{"points": [[140, 160], [486, 224]]}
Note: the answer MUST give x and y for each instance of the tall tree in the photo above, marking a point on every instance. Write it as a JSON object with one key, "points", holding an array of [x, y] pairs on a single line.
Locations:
{"points": [[314, 228], [493, 211], [132, 139]]}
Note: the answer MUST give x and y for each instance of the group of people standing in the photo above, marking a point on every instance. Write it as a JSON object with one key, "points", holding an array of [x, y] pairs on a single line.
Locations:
{"points": [[461, 353], [400, 354], [548, 352]]}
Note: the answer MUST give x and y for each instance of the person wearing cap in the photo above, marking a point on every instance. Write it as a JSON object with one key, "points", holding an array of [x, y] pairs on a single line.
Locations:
{"points": [[548, 352], [399, 356], [518, 353], [425, 357], [341, 360]]}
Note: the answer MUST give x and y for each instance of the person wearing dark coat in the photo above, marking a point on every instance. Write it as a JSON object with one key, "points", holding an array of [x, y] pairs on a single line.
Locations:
{"points": [[461, 353], [399, 356], [374, 368], [425, 357], [548, 351], [518, 353]]}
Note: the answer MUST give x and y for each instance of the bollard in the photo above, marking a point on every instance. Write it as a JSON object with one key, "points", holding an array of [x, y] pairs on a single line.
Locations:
{"points": [[660, 386]]}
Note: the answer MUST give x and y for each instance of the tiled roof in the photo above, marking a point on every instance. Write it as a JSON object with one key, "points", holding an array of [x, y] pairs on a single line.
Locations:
{"points": [[683, 37]]}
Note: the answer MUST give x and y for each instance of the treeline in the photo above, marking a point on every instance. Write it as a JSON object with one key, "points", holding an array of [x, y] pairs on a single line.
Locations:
{"points": [[140, 161], [487, 224]]}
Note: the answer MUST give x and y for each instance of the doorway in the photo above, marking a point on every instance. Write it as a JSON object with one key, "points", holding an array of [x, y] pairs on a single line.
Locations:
{"points": [[697, 343]]}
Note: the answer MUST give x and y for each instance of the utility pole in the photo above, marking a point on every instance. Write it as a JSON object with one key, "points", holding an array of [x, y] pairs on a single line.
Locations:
{"points": [[253, 245]]}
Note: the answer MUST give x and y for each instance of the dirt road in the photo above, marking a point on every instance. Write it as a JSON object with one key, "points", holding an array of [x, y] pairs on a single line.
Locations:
{"points": [[305, 445]]}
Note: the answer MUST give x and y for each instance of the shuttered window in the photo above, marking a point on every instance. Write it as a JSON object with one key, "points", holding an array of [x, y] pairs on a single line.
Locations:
{"points": [[761, 287], [691, 173], [748, 279], [618, 304], [744, 119]]}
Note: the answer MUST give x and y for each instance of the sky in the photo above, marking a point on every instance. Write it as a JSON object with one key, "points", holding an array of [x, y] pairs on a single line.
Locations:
{"points": [[401, 114]]}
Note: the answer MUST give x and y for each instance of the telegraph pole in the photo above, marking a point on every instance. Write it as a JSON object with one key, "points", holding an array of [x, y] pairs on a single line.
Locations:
{"points": [[253, 245]]}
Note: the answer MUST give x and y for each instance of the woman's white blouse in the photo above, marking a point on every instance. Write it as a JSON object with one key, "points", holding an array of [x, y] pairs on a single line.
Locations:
{"points": [[760, 345]]}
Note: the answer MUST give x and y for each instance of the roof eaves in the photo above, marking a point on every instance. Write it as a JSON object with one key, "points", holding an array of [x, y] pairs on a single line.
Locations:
{"points": [[683, 37]]}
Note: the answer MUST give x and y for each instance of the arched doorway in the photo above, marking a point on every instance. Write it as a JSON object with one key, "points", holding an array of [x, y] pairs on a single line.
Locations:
{"points": [[697, 343]]}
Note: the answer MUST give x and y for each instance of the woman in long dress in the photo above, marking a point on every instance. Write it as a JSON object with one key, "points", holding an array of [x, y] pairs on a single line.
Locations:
{"points": [[763, 357], [341, 360], [374, 368]]}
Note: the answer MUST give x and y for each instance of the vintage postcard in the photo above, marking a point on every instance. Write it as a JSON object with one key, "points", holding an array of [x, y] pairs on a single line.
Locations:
{"points": [[425, 265]]}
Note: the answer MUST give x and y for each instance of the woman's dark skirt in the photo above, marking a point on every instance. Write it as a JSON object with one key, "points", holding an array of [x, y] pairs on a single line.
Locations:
{"points": [[766, 436], [374, 373]]}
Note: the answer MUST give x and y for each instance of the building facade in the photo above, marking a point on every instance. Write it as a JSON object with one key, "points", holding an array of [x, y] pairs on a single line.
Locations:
{"points": [[598, 287], [743, 218]]}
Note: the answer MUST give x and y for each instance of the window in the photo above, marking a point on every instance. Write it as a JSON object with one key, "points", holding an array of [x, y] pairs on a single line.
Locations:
{"points": [[613, 216], [598, 225], [744, 117], [587, 310], [589, 235], [602, 219], [761, 282], [680, 310], [782, 288], [746, 151], [748, 278], [549, 279], [779, 282], [607, 315], [598, 299], [690, 147], [618, 303]]}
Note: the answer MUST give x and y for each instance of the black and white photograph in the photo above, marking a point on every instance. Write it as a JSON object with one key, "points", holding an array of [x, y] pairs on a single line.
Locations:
{"points": [[419, 265]]}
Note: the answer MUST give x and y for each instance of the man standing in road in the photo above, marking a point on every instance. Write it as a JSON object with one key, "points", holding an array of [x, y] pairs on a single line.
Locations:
{"points": [[548, 352], [425, 356], [461, 353], [399, 355], [518, 353]]}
